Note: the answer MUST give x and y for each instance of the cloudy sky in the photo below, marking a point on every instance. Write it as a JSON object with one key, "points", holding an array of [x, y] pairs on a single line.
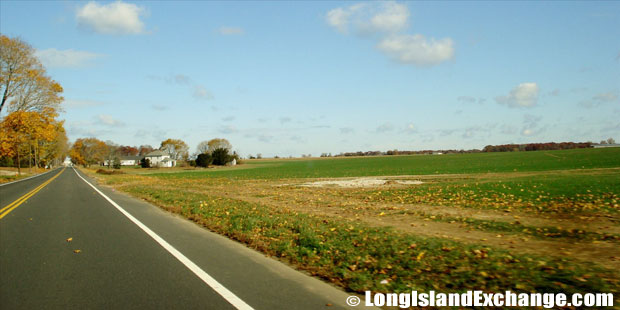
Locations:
{"points": [[291, 78]]}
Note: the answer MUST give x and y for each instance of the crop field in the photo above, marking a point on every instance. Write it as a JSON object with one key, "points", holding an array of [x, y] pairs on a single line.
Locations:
{"points": [[546, 221]]}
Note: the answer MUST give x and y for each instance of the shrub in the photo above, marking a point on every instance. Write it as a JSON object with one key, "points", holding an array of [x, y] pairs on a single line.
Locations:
{"points": [[109, 172], [145, 163], [204, 160], [117, 163], [221, 157]]}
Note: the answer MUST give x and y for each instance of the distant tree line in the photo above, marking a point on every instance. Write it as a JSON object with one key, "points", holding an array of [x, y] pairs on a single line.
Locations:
{"points": [[397, 152], [549, 146]]}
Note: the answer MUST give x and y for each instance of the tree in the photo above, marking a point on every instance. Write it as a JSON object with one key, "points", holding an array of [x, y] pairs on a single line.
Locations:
{"points": [[176, 148], [117, 163], [145, 149], [36, 93], [203, 147], [113, 151], [221, 156], [611, 141], [126, 150], [204, 160], [145, 163], [218, 143], [23, 78], [25, 132], [54, 152], [88, 151]]}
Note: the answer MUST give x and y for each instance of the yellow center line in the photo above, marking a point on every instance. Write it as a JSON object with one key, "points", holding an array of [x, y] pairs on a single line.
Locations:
{"points": [[6, 210]]}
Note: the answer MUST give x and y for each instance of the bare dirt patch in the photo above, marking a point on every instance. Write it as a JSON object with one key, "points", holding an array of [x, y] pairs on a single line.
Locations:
{"points": [[360, 182]]}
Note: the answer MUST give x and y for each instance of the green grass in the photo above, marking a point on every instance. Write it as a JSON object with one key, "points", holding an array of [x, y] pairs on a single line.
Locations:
{"points": [[415, 165], [550, 192]]}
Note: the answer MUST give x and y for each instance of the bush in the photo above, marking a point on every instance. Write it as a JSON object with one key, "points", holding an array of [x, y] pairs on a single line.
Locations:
{"points": [[145, 163], [221, 157], [117, 163], [109, 172], [204, 160]]}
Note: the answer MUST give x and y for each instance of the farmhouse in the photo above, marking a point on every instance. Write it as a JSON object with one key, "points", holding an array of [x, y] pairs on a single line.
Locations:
{"points": [[130, 160], [160, 159], [125, 161]]}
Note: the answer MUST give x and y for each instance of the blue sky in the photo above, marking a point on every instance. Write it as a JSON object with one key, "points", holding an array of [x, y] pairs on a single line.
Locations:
{"points": [[291, 78]]}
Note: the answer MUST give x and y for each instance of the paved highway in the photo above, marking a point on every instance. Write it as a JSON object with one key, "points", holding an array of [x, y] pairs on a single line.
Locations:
{"points": [[66, 244]]}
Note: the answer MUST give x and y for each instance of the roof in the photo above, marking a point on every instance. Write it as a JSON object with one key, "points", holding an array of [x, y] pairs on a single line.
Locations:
{"points": [[156, 153]]}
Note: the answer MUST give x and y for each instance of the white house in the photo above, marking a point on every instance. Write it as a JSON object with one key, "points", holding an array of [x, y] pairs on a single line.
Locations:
{"points": [[130, 160], [160, 159]]}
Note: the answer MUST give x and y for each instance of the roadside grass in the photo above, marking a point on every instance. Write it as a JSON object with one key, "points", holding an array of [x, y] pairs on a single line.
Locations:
{"points": [[413, 165], [9, 174], [9, 178], [359, 257]]}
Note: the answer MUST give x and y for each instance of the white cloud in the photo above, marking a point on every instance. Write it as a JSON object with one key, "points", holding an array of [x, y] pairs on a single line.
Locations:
{"points": [[53, 58], [113, 18], [389, 19], [339, 19], [417, 50], [228, 31], [392, 17], [524, 95], [108, 120], [202, 93], [366, 18]]}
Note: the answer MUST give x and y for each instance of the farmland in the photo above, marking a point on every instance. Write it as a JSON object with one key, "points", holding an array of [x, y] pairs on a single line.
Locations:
{"points": [[531, 221]]}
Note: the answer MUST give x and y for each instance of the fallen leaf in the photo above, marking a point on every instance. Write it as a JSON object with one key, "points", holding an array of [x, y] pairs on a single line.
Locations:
{"points": [[77, 251], [69, 239]]}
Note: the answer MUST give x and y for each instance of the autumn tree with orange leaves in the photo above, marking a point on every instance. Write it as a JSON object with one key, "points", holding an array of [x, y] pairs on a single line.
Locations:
{"points": [[23, 80], [30, 130], [26, 133], [88, 151]]}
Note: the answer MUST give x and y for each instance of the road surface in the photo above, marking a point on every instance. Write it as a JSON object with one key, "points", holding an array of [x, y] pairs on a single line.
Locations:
{"points": [[63, 245]]}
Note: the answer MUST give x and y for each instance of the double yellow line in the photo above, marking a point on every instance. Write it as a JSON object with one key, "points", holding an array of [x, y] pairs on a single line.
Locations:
{"points": [[6, 210]]}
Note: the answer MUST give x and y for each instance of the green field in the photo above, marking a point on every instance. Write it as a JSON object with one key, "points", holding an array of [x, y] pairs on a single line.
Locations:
{"points": [[542, 221], [417, 165]]}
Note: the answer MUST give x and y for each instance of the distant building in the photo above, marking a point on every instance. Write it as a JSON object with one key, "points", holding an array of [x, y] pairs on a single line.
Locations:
{"points": [[130, 160], [600, 146], [160, 159]]}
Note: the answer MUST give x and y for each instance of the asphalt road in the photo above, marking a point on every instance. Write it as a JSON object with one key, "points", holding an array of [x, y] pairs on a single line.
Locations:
{"points": [[111, 262]]}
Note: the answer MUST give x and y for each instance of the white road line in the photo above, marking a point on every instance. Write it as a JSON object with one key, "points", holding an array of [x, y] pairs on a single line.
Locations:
{"points": [[28, 178], [205, 277]]}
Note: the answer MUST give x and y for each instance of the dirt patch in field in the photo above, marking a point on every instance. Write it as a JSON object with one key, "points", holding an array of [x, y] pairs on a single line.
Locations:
{"points": [[360, 182]]}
